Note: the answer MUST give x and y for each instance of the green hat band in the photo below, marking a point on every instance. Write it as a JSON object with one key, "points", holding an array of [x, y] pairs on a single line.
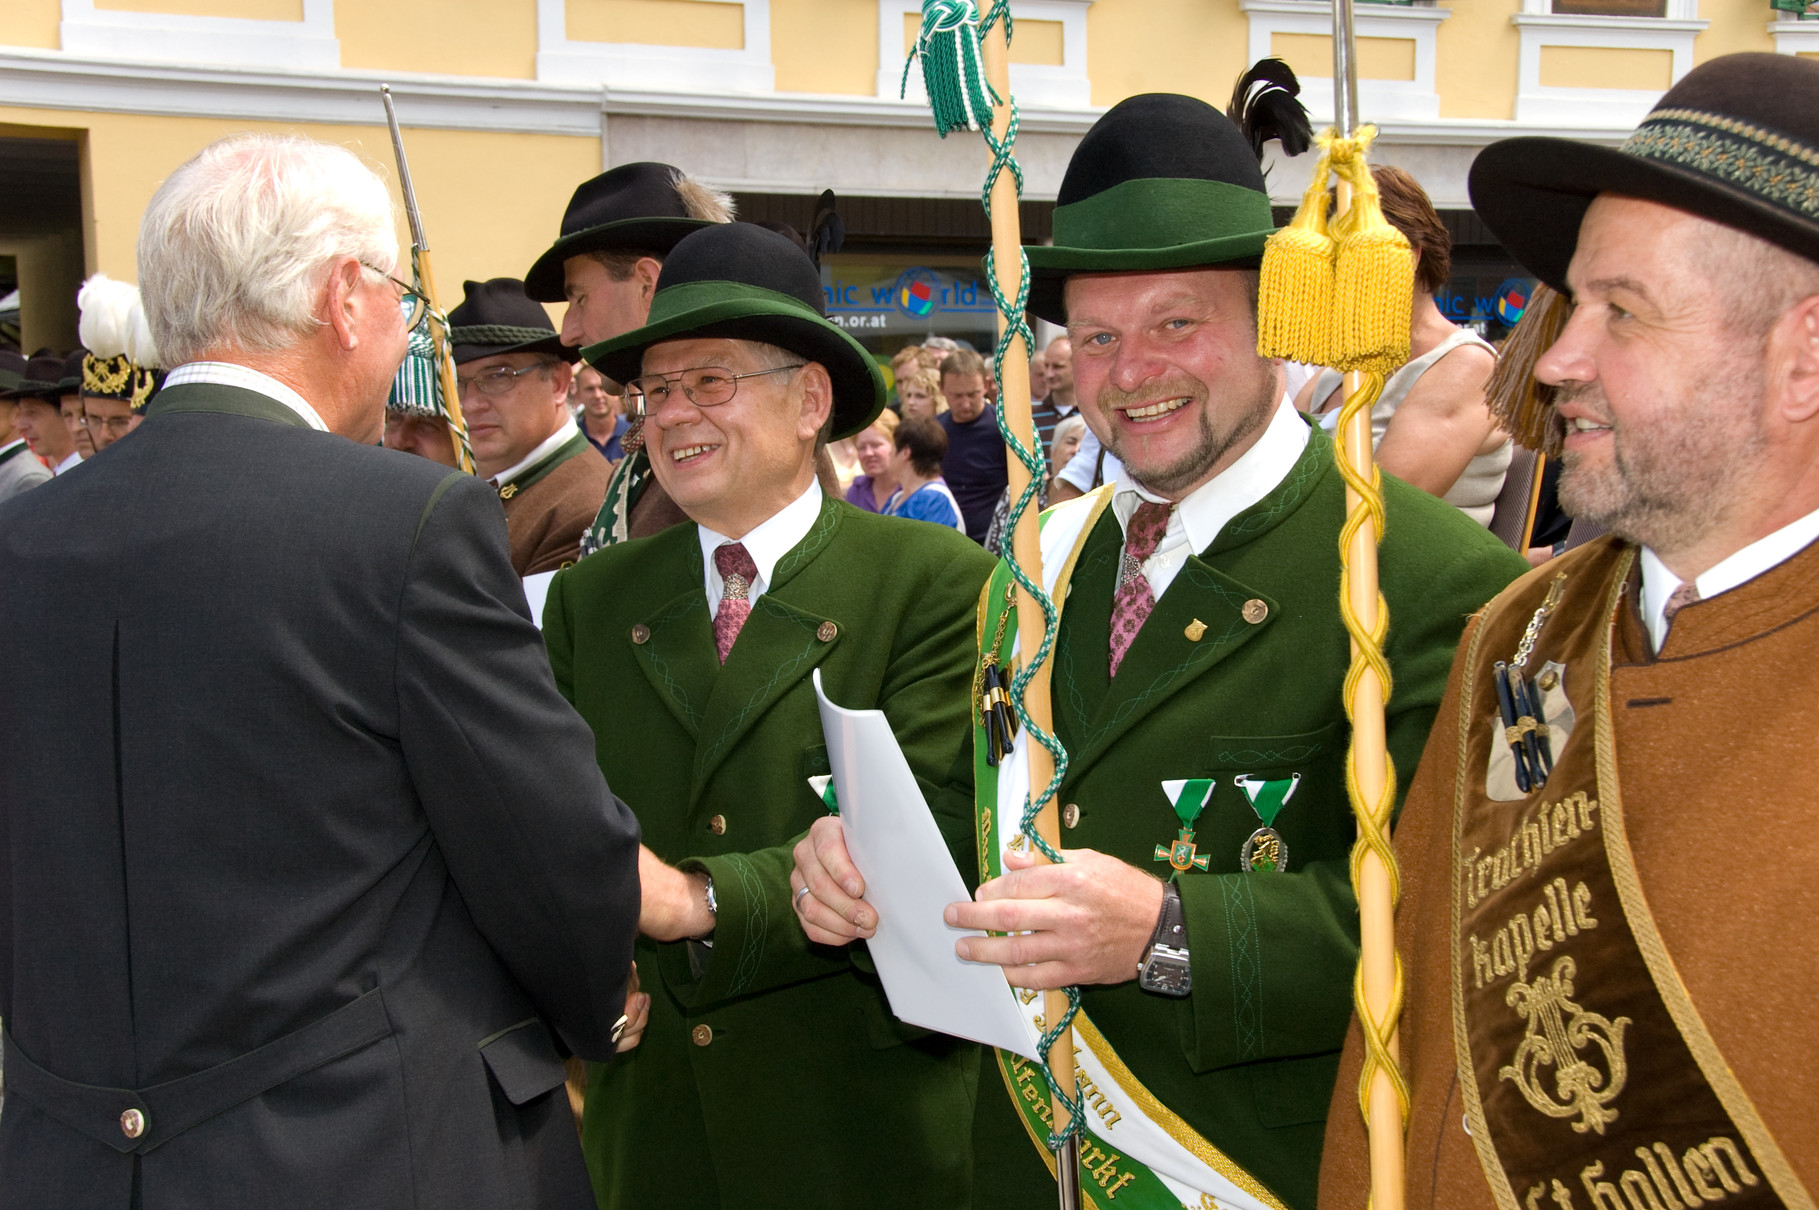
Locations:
{"points": [[677, 300], [497, 334], [1775, 168], [1161, 212]]}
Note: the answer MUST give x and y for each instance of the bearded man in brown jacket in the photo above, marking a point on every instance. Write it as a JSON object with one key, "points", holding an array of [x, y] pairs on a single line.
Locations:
{"points": [[1610, 859]]}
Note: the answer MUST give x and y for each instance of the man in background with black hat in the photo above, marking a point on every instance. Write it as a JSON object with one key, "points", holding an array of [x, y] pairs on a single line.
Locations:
{"points": [[1204, 905], [772, 1073], [1611, 978], [69, 403], [39, 414], [615, 233], [19, 467], [513, 375]]}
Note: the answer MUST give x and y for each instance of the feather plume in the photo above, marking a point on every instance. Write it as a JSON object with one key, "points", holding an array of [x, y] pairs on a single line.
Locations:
{"points": [[828, 231], [1265, 106], [1522, 404], [113, 322], [703, 201]]}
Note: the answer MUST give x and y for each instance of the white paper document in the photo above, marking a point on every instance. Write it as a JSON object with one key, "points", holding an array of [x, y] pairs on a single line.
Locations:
{"points": [[910, 879], [536, 592]]}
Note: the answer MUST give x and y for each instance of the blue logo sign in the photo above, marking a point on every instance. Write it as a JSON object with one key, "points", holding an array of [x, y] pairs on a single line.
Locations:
{"points": [[1512, 301]]}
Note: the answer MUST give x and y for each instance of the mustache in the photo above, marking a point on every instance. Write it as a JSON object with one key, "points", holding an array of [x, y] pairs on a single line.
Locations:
{"points": [[1175, 386], [1587, 397]]}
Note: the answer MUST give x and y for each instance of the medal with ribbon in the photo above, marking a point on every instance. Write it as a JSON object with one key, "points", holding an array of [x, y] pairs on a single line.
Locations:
{"points": [[1189, 798], [823, 786], [1266, 851]]}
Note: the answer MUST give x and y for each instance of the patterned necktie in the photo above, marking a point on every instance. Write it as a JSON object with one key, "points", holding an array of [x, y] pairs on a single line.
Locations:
{"points": [[1679, 599], [737, 571], [1132, 603]]}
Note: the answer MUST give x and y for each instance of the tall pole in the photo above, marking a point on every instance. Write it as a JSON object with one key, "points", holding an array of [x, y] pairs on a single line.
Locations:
{"points": [[1025, 551], [1376, 905]]}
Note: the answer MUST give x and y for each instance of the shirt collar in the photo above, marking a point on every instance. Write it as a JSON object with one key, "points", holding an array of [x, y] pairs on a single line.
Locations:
{"points": [[767, 542], [1210, 507], [549, 445], [229, 374], [1658, 583], [70, 463]]}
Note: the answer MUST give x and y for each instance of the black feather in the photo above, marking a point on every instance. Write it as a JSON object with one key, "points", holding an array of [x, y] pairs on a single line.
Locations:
{"points": [[1265, 106], [827, 233]]}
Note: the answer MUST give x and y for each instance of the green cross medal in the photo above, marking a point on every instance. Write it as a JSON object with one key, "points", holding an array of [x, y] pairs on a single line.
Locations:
{"points": [[823, 786], [1266, 851], [1189, 798]]}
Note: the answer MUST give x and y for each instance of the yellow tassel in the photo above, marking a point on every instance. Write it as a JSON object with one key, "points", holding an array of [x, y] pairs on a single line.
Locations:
{"points": [[1373, 271], [1295, 294]]}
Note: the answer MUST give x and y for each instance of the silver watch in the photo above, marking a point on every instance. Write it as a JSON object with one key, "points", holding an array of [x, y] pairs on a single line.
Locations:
{"points": [[1164, 969]]}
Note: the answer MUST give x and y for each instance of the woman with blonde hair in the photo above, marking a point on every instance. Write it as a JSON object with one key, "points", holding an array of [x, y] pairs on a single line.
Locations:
{"points": [[872, 489], [919, 394]]}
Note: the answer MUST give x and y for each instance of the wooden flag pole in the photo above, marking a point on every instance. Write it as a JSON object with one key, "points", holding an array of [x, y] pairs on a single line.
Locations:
{"points": [[1376, 898], [1025, 551]]}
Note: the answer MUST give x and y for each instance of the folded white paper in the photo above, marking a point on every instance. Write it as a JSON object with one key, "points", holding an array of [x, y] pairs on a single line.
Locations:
{"points": [[910, 878], [536, 592]]}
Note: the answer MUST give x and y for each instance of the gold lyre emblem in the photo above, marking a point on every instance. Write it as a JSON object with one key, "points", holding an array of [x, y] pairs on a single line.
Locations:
{"points": [[1554, 1040]]}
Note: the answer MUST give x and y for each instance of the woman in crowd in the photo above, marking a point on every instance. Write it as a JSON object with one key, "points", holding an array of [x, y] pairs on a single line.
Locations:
{"points": [[919, 394], [1431, 425], [873, 487], [921, 494], [1064, 444]]}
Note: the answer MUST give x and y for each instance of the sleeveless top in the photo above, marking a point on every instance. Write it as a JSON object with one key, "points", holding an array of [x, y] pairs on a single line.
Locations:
{"points": [[1475, 492]]}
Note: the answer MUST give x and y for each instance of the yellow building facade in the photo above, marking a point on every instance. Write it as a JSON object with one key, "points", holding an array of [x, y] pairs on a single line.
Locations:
{"points": [[508, 104]]}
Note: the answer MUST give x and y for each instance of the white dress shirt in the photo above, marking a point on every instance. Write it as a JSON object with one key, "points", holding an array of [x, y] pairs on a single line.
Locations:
{"points": [[68, 464], [1197, 519], [1658, 583], [766, 544], [227, 374], [545, 448]]}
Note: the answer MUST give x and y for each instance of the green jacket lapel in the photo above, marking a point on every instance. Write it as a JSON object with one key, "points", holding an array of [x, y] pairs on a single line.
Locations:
{"points": [[677, 652], [1201, 601], [232, 401], [779, 645]]}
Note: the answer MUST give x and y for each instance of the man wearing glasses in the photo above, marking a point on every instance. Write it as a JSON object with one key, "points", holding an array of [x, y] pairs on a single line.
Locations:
{"points": [[772, 1073], [513, 375]]}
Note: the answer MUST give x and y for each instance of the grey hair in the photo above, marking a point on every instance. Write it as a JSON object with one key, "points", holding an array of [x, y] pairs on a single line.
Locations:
{"points": [[1763, 280], [235, 245]]}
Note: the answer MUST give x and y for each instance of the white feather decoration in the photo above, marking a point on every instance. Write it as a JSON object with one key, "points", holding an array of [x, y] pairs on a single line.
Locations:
{"points": [[113, 322]]}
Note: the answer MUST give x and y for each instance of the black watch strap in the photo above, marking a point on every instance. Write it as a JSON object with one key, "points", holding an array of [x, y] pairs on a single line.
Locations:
{"points": [[1165, 960]]}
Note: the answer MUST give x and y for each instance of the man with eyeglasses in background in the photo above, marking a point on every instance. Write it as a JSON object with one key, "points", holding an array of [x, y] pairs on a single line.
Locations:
{"points": [[691, 653], [513, 375]]}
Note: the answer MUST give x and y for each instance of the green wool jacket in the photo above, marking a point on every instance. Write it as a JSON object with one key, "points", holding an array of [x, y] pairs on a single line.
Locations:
{"points": [[1249, 1057], [772, 1072]]}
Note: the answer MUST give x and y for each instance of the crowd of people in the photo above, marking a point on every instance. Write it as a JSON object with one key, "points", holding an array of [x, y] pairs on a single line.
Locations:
{"points": [[378, 833]]}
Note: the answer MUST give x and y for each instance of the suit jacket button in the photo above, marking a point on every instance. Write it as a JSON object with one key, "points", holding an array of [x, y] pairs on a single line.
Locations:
{"points": [[132, 1123], [641, 634], [1255, 611], [702, 1034], [717, 825], [826, 632], [1070, 815]]}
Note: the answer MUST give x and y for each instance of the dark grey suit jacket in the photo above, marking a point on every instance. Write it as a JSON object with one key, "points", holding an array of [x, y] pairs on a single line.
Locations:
{"points": [[303, 859]]}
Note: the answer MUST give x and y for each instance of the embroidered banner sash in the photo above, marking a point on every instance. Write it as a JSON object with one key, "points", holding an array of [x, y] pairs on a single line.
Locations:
{"points": [[1137, 1153], [1589, 1080]]}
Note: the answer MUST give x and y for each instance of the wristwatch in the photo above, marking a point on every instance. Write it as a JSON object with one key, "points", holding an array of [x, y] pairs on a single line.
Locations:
{"points": [[1164, 968]]}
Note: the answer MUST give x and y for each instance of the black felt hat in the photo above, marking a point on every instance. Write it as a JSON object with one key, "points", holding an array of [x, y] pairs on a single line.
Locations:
{"points": [[634, 207], [1736, 141], [70, 381], [1161, 181], [743, 282], [42, 378], [496, 316]]}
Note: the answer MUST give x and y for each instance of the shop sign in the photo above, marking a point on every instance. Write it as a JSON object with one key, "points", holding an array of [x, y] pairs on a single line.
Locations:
{"points": [[883, 299]]}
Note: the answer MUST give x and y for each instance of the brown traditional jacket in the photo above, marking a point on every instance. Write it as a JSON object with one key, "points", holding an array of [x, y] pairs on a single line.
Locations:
{"points": [[545, 519], [1716, 754]]}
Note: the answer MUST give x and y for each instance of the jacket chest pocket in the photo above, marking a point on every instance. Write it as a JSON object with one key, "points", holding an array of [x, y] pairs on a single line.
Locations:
{"points": [[1275, 800]]}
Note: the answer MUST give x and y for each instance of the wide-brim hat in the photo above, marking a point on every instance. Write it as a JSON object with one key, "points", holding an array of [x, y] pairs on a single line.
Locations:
{"points": [[634, 207], [496, 316], [42, 378], [70, 381], [1161, 181], [1736, 141], [743, 282]]}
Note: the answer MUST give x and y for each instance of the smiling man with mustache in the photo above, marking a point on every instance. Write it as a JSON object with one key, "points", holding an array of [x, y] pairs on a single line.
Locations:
{"points": [[1204, 904]]}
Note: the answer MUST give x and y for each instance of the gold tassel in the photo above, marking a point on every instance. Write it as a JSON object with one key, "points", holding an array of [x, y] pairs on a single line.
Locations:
{"points": [[1523, 405], [1373, 271], [1295, 293]]}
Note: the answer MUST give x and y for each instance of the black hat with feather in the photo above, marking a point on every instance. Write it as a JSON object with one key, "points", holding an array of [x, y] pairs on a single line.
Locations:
{"points": [[1164, 181]]}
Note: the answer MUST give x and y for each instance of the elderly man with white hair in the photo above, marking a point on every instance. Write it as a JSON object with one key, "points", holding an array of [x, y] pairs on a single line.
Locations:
{"points": [[308, 879]]}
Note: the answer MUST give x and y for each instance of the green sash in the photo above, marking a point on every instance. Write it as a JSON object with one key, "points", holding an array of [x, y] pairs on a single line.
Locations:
{"points": [[1589, 1080]]}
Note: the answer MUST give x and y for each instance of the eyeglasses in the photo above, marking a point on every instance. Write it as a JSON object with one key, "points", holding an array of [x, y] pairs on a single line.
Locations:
{"points": [[117, 425], [498, 380], [413, 304], [705, 386]]}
